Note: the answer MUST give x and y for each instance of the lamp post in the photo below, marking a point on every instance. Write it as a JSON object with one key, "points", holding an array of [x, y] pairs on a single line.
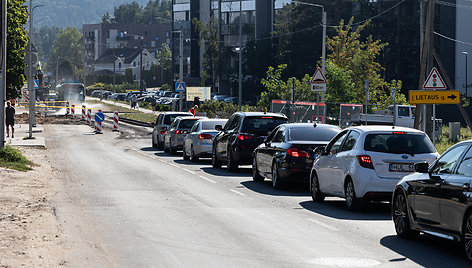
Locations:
{"points": [[3, 73], [31, 89], [323, 47], [466, 87]]}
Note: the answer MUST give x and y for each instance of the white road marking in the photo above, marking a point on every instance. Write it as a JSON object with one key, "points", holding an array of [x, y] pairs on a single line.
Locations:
{"points": [[189, 171], [174, 165], [236, 192], [207, 179], [322, 224]]}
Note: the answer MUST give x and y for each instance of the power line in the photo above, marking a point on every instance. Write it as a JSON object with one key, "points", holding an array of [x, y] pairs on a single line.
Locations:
{"points": [[452, 39]]}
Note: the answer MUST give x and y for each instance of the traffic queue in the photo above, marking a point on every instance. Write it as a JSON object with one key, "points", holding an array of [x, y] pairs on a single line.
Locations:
{"points": [[429, 193]]}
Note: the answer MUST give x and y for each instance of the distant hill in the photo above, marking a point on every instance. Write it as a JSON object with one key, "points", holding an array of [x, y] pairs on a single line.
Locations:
{"points": [[62, 13]]}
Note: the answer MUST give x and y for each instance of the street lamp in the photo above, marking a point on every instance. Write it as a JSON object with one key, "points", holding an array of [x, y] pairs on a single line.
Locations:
{"points": [[114, 71], [466, 88], [323, 49], [31, 78], [240, 76]]}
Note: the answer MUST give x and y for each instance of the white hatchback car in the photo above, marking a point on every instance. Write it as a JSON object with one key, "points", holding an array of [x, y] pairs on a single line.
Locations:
{"points": [[366, 162]]}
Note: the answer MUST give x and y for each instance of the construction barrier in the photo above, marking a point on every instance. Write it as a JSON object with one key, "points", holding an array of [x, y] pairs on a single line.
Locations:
{"points": [[89, 116], [98, 126], [83, 112], [115, 121], [67, 108], [72, 111]]}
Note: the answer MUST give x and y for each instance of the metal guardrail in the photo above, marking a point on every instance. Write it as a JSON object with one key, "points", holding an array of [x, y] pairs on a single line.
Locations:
{"points": [[136, 122]]}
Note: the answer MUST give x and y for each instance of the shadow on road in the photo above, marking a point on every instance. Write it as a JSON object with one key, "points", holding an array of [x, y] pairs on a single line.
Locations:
{"points": [[188, 162], [266, 188], [241, 172], [167, 155], [337, 209], [427, 251], [149, 149]]}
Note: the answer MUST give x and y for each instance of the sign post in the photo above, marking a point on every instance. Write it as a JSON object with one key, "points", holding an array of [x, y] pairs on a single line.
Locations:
{"points": [[180, 87], [318, 85], [434, 82]]}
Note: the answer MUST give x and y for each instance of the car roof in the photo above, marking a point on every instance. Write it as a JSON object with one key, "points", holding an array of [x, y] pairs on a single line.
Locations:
{"points": [[215, 119], [191, 117], [260, 114], [303, 125], [183, 113], [385, 129]]}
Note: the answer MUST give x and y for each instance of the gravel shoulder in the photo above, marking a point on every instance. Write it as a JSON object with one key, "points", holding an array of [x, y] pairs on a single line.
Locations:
{"points": [[30, 234]]}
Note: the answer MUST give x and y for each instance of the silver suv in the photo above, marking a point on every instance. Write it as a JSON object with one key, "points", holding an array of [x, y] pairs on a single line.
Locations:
{"points": [[161, 126]]}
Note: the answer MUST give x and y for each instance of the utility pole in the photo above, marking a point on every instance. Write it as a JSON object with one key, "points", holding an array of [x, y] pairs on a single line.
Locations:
{"points": [[3, 73], [429, 125], [114, 74], [30, 75], [140, 67], [240, 89], [181, 67], [366, 87]]}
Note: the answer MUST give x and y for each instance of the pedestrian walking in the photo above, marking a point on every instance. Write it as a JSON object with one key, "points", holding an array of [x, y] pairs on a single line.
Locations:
{"points": [[10, 119], [134, 100], [153, 103]]}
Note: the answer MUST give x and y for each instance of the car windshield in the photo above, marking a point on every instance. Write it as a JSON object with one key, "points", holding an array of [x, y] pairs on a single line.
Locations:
{"points": [[170, 118], [262, 123], [311, 133], [187, 123], [399, 143], [210, 125]]}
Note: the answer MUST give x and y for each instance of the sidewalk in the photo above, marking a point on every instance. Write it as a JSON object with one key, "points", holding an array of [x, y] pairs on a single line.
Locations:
{"points": [[22, 131]]}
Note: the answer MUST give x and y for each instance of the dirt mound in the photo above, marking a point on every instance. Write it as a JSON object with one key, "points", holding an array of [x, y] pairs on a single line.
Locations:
{"points": [[43, 119]]}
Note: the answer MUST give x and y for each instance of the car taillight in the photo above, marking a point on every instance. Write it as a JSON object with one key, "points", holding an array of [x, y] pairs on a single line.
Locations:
{"points": [[243, 137], [179, 131], [163, 130], [204, 136], [398, 132], [295, 152], [365, 161]]}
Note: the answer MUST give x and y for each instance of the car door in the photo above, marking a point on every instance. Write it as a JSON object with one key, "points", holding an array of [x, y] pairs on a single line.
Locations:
{"points": [[324, 164], [271, 149], [189, 139], [427, 189], [455, 192], [261, 153], [341, 162]]}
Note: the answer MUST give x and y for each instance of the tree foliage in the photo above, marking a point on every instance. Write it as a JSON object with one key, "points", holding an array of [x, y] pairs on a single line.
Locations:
{"points": [[209, 41], [164, 56], [67, 53], [133, 13], [44, 38], [17, 16]]}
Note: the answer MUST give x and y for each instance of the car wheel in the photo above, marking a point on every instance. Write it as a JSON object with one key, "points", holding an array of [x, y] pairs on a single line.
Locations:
{"points": [[193, 157], [467, 236], [166, 149], [231, 165], [316, 194], [154, 145], [214, 159], [276, 180], [184, 154], [255, 173], [351, 199], [160, 145], [400, 217]]}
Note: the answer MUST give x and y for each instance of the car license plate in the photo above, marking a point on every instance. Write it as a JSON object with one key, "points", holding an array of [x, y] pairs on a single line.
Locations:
{"points": [[396, 167]]}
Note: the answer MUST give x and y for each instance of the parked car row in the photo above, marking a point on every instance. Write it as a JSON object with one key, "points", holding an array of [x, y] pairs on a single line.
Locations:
{"points": [[429, 193]]}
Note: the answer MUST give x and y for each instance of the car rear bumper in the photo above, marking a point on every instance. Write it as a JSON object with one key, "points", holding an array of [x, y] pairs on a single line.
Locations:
{"points": [[243, 155], [203, 149], [367, 183]]}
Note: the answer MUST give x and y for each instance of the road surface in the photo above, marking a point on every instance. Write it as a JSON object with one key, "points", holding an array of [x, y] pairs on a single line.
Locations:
{"points": [[124, 204]]}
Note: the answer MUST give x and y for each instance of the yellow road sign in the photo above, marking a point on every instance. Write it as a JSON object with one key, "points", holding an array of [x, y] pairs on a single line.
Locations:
{"points": [[434, 97]]}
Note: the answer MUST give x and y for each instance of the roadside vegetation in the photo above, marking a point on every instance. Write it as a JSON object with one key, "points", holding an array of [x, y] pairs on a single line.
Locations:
{"points": [[12, 158], [445, 142], [140, 116]]}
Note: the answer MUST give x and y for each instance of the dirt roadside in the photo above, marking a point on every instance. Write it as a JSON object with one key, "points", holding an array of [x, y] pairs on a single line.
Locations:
{"points": [[30, 235]]}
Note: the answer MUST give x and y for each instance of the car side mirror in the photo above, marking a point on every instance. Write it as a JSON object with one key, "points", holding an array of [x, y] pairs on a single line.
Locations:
{"points": [[422, 167], [333, 151], [320, 150], [262, 139], [219, 127]]}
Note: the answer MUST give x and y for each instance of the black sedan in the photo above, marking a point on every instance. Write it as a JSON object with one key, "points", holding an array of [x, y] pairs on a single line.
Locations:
{"points": [[287, 153], [437, 199]]}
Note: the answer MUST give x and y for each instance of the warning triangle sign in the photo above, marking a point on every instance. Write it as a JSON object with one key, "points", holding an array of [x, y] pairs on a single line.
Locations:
{"points": [[318, 77], [434, 81], [180, 88]]}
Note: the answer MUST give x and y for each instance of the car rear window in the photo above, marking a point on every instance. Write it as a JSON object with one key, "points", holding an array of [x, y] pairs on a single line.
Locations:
{"points": [[262, 123], [187, 123], [210, 125], [399, 143], [311, 134], [168, 119]]}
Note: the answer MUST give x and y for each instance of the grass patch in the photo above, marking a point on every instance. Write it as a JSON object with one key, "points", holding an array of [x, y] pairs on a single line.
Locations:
{"points": [[12, 158], [144, 117], [445, 143]]}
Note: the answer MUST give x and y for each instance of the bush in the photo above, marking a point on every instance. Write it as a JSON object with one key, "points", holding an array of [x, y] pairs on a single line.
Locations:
{"points": [[12, 158]]}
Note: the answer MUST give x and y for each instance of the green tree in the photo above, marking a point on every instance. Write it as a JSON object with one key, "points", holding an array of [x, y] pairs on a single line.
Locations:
{"points": [[17, 16], [127, 13], [164, 56], [44, 38], [67, 53], [106, 18], [348, 52], [209, 41]]}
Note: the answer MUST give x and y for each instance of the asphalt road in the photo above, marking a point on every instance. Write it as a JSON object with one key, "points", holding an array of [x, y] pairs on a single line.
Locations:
{"points": [[122, 203]]}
